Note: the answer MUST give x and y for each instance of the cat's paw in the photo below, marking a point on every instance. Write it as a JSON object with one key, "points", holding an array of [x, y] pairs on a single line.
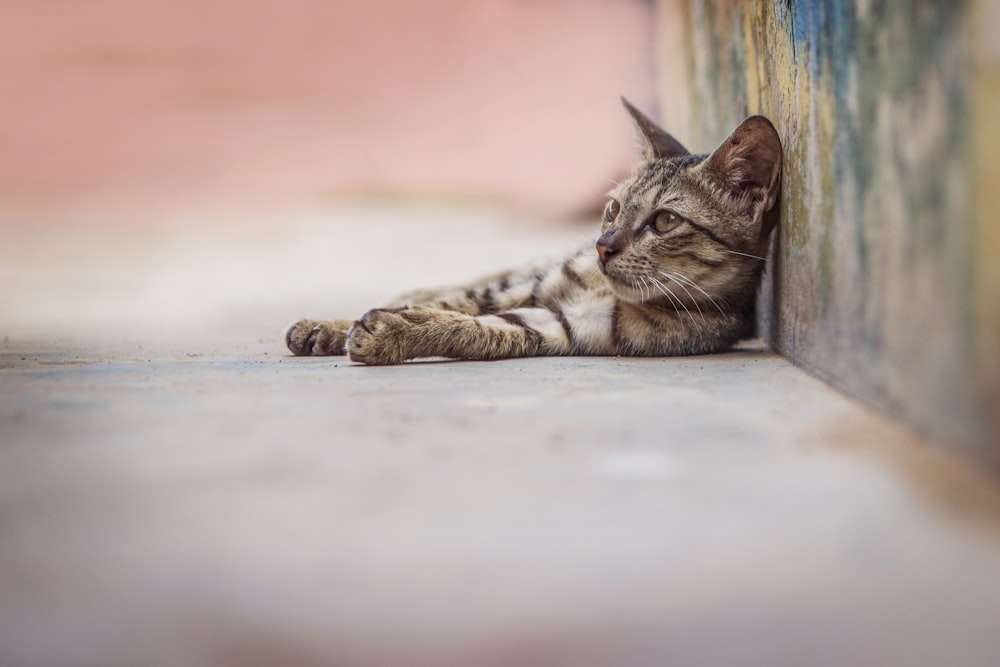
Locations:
{"points": [[379, 337], [310, 337]]}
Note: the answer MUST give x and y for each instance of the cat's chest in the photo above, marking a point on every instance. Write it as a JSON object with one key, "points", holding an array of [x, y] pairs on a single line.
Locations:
{"points": [[577, 278]]}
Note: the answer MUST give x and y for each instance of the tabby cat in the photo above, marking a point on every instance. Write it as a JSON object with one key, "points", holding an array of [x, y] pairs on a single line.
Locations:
{"points": [[675, 271]]}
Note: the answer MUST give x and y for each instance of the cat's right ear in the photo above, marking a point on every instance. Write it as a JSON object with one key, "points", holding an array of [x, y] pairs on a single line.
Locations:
{"points": [[656, 144]]}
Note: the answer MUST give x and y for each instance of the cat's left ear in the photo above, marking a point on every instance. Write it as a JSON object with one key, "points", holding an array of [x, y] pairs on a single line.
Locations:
{"points": [[749, 161], [656, 144]]}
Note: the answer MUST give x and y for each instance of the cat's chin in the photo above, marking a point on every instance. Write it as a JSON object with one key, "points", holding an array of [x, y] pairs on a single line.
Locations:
{"points": [[625, 290]]}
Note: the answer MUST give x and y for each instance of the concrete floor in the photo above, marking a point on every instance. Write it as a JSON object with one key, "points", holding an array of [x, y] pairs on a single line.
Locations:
{"points": [[176, 490]]}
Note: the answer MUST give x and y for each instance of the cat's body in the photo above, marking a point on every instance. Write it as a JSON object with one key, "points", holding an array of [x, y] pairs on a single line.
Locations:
{"points": [[675, 271]]}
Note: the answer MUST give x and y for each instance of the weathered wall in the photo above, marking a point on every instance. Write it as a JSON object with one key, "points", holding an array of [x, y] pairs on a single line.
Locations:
{"points": [[883, 279]]}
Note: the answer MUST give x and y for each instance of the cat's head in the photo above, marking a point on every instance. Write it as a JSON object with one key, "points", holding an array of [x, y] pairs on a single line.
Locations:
{"points": [[696, 226]]}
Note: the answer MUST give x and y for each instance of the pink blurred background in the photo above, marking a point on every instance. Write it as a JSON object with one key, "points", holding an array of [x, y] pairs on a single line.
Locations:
{"points": [[138, 105]]}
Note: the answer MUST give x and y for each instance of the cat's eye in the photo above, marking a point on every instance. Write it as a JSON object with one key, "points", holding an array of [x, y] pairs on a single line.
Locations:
{"points": [[667, 221], [612, 210]]}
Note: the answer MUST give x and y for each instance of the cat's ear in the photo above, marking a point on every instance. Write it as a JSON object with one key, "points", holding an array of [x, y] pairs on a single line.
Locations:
{"points": [[749, 161], [655, 143]]}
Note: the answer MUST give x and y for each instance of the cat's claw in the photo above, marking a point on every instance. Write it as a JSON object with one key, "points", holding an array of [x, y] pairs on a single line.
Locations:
{"points": [[377, 338], [312, 338]]}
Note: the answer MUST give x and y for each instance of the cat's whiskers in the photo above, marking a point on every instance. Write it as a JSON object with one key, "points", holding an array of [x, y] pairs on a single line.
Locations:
{"points": [[694, 300], [649, 290], [679, 277], [669, 293], [673, 302], [674, 294], [647, 297], [636, 286], [746, 254]]}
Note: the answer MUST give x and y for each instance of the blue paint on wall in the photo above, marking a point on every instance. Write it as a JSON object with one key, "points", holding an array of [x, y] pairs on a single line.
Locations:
{"points": [[871, 282]]}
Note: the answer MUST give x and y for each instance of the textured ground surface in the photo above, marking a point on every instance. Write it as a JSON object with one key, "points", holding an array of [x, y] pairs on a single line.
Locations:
{"points": [[175, 490]]}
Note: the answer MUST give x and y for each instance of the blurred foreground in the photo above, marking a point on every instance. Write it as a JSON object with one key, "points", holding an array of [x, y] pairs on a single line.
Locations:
{"points": [[175, 489]]}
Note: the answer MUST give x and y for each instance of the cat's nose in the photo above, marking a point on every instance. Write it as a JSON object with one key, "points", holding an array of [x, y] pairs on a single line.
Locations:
{"points": [[604, 252], [608, 245]]}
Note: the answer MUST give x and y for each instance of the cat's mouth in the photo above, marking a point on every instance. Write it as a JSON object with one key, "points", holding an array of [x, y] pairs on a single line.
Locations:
{"points": [[612, 275], [626, 287]]}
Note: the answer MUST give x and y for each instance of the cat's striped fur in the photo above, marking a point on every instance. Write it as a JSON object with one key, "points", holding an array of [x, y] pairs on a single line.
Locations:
{"points": [[674, 271]]}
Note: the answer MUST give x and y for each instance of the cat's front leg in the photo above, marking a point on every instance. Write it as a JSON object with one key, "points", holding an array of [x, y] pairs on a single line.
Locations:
{"points": [[393, 335], [317, 337]]}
